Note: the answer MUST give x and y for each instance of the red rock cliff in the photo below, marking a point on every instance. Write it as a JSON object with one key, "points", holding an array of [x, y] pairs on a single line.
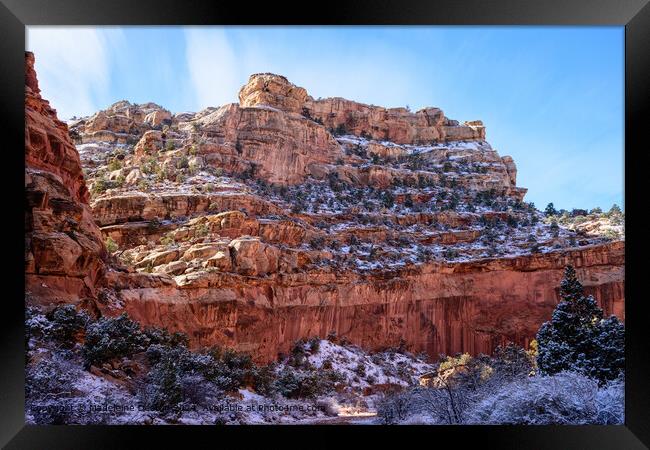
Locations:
{"points": [[438, 308], [63, 245]]}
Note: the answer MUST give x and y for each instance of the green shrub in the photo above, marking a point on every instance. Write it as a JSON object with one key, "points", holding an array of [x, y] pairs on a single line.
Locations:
{"points": [[143, 185], [340, 130], [317, 243], [298, 355], [167, 240], [314, 344], [161, 174], [150, 166], [263, 379], [555, 228], [115, 164], [163, 390], [299, 384], [110, 338], [201, 230], [65, 324], [230, 369], [120, 180], [387, 199], [161, 336], [100, 185], [111, 245], [182, 162]]}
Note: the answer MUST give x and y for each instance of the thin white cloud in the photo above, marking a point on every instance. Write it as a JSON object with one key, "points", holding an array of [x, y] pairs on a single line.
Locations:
{"points": [[212, 66], [220, 61], [73, 66]]}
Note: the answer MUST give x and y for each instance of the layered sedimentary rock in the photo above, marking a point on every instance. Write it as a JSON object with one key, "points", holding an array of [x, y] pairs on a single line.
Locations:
{"points": [[397, 125], [252, 225], [138, 207], [448, 308], [63, 246], [121, 120], [272, 90], [278, 146]]}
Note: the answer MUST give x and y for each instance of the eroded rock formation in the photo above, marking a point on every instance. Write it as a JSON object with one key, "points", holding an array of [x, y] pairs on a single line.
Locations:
{"points": [[436, 308], [255, 224], [63, 246]]}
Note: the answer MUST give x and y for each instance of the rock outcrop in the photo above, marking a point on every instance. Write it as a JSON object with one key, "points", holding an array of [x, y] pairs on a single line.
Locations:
{"points": [[397, 125], [121, 120], [438, 308], [64, 250], [274, 91], [278, 146]]}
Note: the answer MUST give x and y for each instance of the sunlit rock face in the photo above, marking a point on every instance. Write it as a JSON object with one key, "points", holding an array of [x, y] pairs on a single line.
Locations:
{"points": [[448, 308], [280, 217], [63, 245], [272, 90]]}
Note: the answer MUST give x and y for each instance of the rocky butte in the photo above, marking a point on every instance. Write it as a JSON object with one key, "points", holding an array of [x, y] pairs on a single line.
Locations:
{"points": [[280, 217]]}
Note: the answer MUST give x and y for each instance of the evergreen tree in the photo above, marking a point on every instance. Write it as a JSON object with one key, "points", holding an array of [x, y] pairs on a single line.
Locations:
{"points": [[550, 210], [387, 199], [163, 389], [555, 228], [615, 210], [609, 360], [578, 339]]}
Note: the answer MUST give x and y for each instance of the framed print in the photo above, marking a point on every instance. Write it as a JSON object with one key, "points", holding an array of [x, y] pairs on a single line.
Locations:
{"points": [[408, 217]]}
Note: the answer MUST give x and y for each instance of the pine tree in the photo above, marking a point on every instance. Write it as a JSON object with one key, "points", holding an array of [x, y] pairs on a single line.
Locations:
{"points": [[550, 210], [408, 201], [387, 199], [163, 385], [555, 228], [577, 338], [615, 210]]}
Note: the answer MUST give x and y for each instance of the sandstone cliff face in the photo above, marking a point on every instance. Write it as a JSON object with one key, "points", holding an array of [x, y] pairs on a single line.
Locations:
{"points": [[282, 217], [397, 125], [63, 245], [279, 146], [449, 308], [272, 90], [121, 120]]}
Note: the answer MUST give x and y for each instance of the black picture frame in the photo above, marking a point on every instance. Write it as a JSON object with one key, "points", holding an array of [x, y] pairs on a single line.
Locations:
{"points": [[634, 15]]}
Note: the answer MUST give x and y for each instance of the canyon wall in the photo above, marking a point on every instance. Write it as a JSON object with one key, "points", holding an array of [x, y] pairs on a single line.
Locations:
{"points": [[448, 308], [255, 224], [64, 250]]}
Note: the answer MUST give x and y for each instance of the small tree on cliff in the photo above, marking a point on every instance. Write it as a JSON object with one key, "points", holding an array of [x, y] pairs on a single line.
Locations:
{"points": [[578, 339], [550, 210]]}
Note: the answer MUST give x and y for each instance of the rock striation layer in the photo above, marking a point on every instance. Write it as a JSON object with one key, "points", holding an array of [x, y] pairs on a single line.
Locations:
{"points": [[436, 308]]}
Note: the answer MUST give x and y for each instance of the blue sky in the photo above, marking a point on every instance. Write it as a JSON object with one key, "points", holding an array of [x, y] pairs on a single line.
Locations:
{"points": [[551, 97]]}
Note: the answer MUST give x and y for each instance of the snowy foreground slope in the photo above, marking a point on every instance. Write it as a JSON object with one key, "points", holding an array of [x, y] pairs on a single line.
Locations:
{"points": [[92, 398], [319, 382]]}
